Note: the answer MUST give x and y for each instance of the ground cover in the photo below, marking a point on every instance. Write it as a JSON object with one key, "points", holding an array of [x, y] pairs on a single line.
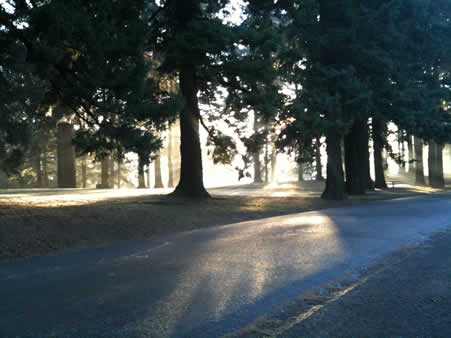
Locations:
{"points": [[38, 222]]}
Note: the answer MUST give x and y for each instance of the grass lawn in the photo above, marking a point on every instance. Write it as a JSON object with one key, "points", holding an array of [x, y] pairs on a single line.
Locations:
{"points": [[37, 222]]}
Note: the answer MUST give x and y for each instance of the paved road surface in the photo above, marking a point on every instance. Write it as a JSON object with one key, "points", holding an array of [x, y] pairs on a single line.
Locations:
{"points": [[207, 282], [411, 298]]}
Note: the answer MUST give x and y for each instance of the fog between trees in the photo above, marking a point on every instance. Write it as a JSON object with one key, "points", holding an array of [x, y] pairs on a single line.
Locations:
{"points": [[117, 94]]}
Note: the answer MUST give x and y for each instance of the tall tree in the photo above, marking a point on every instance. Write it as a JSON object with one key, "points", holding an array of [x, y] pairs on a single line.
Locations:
{"points": [[66, 156], [379, 141], [157, 171], [419, 170]]}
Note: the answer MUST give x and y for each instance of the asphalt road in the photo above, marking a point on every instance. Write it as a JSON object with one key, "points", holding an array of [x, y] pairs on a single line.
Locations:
{"points": [[411, 298], [207, 282]]}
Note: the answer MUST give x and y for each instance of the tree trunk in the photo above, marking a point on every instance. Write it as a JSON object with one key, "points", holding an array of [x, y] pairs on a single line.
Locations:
{"points": [[157, 167], [111, 176], [335, 186], [273, 164], [105, 173], [170, 159], [435, 164], [257, 168], [267, 160], [84, 169], [411, 153], [141, 181], [66, 156], [355, 159], [419, 171], [378, 141], [440, 173], [37, 165], [301, 168], [318, 164], [119, 165], [191, 184], [45, 170], [402, 149], [256, 156], [149, 174]]}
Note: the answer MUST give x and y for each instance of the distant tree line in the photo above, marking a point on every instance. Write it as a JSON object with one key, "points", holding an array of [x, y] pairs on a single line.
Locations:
{"points": [[83, 83]]}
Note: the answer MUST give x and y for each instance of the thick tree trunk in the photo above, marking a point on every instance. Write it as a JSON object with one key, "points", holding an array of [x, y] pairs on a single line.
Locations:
{"points": [[411, 154], [273, 165], [435, 164], [440, 173], [119, 167], [356, 146], [402, 149], [267, 160], [84, 172], [45, 170], [111, 176], [432, 164], [105, 173], [301, 167], [149, 174], [191, 184], [256, 157], [378, 141], [335, 186], [257, 168], [37, 165], [419, 170], [318, 164], [157, 167], [66, 156], [171, 180], [141, 180]]}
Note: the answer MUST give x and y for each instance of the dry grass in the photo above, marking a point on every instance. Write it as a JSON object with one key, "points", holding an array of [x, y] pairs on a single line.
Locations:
{"points": [[38, 222]]}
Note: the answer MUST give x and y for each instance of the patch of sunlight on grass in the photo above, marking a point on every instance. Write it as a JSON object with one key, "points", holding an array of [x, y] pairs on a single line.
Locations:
{"points": [[73, 197]]}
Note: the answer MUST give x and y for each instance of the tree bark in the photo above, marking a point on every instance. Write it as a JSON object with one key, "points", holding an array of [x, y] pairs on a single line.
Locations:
{"points": [[105, 173], [301, 167], [66, 156], [267, 160], [335, 186], [355, 159], [170, 159], [119, 165], [141, 180], [84, 169], [273, 164], [378, 141], [440, 173], [45, 171], [37, 164], [191, 184], [157, 167], [256, 156], [149, 174], [318, 164], [419, 170], [435, 164], [411, 154]]}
